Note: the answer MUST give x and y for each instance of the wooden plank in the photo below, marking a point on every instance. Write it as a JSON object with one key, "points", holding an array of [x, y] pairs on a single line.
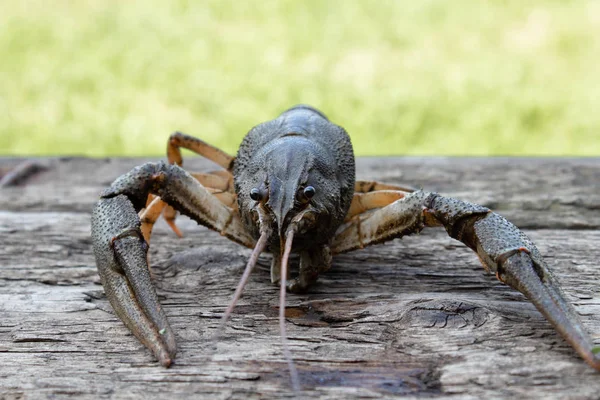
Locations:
{"points": [[414, 317]]}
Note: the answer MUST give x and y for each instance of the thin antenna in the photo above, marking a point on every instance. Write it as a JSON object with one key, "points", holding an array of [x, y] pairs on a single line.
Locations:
{"points": [[259, 248], [282, 289]]}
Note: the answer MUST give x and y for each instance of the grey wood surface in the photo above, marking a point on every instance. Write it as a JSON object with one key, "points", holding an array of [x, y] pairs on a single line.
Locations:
{"points": [[416, 317]]}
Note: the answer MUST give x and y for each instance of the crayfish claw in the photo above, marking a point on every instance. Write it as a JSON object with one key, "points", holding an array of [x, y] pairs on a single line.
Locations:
{"points": [[505, 250], [524, 274], [121, 254], [174, 227]]}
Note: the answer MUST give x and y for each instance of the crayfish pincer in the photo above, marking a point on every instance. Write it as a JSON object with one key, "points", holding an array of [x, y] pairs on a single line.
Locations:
{"points": [[292, 189]]}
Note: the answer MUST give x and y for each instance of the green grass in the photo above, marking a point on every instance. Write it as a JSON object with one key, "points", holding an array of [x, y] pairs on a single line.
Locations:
{"points": [[403, 77]]}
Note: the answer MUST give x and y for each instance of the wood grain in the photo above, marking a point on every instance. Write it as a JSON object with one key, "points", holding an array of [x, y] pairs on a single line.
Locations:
{"points": [[416, 317]]}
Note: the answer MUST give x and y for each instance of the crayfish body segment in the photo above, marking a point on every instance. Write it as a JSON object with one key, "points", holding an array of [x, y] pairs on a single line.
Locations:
{"points": [[291, 189]]}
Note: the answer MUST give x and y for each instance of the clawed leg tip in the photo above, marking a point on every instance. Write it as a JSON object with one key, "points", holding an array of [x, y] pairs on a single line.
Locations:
{"points": [[174, 227], [166, 355], [178, 233], [167, 362]]}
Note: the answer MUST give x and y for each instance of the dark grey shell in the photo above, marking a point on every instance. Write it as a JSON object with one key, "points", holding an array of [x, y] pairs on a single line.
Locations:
{"points": [[298, 142]]}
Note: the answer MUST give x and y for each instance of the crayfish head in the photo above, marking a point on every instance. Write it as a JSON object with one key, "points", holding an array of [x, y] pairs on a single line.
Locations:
{"points": [[297, 189]]}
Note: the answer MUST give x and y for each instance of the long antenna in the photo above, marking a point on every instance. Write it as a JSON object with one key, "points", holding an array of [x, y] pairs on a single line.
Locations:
{"points": [[282, 290], [259, 248]]}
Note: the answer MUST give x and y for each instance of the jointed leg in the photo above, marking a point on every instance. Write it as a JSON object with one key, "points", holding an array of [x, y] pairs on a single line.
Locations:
{"points": [[155, 206], [220, 184], [218, 180], [179, 140], [369, 195], [502, 248], [372, 186], [404, 217], [120, 246], [362, 202], [150, 215], [179, 189]]}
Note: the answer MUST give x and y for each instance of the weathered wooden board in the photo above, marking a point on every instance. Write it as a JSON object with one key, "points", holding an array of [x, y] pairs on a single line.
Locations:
{"points": [[415, 317]]}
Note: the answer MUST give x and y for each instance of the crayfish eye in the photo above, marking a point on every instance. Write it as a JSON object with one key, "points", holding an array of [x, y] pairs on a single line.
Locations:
{"points": [[255, 194], [304, 195], [309, 192]]}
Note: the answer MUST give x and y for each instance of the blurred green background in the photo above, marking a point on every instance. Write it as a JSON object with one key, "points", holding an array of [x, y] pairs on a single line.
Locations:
{"points": [[106, 77]]}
